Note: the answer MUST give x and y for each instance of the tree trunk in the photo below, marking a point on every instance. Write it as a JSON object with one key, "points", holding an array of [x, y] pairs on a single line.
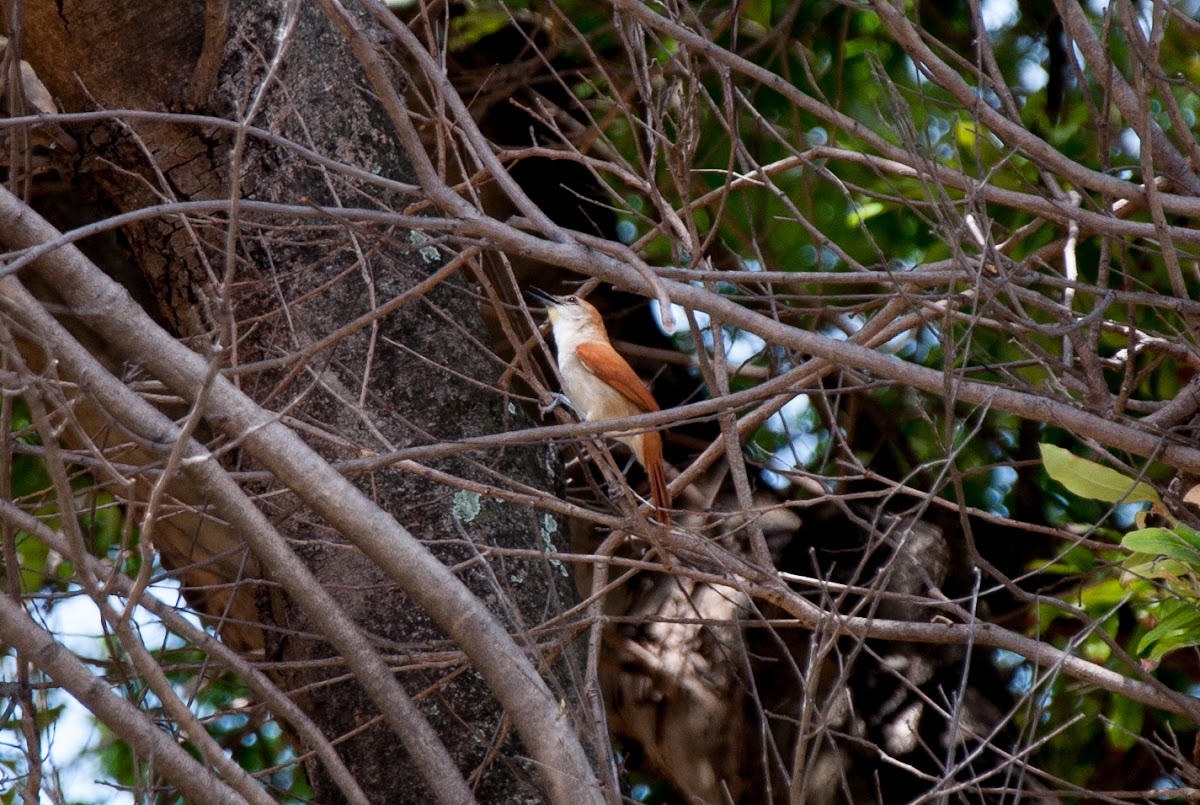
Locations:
{"points": [[418, 375]]}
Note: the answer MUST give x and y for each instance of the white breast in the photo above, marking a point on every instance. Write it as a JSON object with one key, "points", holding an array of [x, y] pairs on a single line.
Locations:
{"points": [[591, 397]]}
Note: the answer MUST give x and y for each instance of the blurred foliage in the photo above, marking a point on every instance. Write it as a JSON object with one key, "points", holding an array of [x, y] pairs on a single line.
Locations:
{"points": [[1144, 599], [225, 707], [100, 519], [1160, 567], [223, 703], [824, 214]]}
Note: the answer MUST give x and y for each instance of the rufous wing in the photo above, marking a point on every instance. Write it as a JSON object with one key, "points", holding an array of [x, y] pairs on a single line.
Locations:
{"points": [[603, 361]]}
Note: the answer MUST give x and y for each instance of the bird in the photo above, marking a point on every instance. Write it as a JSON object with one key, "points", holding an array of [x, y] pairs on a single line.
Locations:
{"points": [[600, 384]]}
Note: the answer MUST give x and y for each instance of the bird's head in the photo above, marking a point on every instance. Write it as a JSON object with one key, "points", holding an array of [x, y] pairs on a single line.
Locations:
{"points": [[570, 311]]}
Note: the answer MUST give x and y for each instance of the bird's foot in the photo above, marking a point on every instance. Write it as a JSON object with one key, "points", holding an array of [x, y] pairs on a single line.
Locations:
{"points": [[557, 398]]}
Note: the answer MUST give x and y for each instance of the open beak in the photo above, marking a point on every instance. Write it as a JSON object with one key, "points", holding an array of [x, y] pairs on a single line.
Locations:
{"points": [[543, 297], [551, 302]]}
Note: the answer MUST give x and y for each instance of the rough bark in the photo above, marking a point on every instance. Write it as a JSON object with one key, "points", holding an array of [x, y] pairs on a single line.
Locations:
{"points": [[406, 382]]}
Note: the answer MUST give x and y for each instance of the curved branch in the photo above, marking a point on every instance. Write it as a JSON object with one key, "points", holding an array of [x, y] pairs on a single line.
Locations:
{"points": [[129, 331], [209, 479], [279, 704], [132, 726], [1126, 99], [1130, 437], [895, 22]]}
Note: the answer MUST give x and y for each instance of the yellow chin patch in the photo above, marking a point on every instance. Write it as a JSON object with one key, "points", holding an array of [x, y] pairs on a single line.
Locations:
{"points": [[553, 314]]}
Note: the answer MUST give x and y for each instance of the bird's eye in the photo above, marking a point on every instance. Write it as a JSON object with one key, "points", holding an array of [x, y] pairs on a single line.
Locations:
{"points": [[572, 300]]}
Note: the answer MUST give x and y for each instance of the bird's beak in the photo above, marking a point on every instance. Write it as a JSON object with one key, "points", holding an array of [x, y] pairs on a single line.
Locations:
{"points": [[549, 301], [543, 297]]}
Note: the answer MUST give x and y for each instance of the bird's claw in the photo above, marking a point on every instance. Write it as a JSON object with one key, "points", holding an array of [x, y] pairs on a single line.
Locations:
{"points": [[556, 399]]}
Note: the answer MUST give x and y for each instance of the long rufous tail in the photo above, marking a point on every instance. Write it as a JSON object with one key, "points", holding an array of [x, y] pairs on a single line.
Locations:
{"points": [[653, 462]]}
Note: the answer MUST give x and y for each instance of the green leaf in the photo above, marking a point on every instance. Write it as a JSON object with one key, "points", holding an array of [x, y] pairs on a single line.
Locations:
{"points": [[1087, 479], [1096, 651], [1103, 595], [1076, 561], [757, 12], [1152, 566], [1179, 628], [1164, 542], [863, 212], [33, 555], [480, 23], [1125, 722]]}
